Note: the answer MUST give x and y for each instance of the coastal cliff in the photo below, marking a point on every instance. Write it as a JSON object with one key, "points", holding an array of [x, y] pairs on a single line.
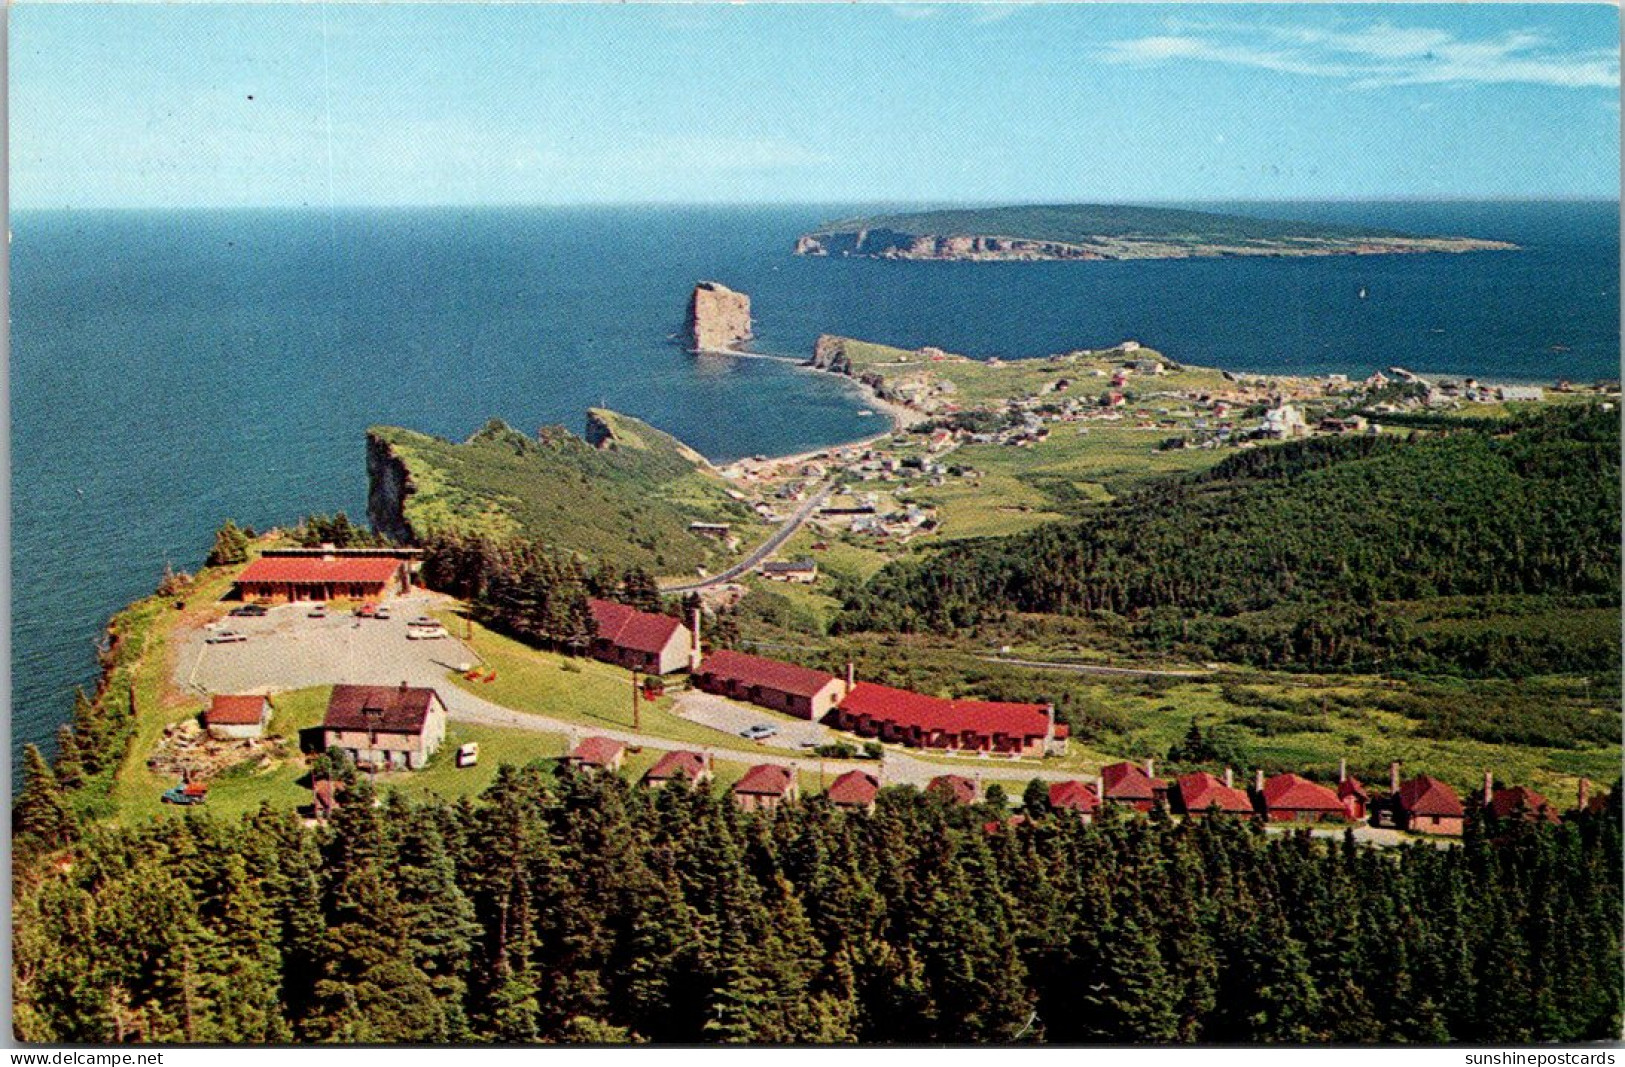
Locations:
{"points": [[389, 483], [718, 317]]}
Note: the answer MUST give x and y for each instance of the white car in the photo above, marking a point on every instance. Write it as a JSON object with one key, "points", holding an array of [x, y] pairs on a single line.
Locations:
{"points": [[420, 632], [760, 732], [225, 637]]}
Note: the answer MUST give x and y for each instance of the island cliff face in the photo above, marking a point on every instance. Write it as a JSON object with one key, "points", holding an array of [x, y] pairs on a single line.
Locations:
{"points": [[718, 317]]}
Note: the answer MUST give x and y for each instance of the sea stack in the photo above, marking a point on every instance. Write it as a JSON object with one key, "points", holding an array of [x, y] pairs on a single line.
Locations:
{"points": [[718, 317]]}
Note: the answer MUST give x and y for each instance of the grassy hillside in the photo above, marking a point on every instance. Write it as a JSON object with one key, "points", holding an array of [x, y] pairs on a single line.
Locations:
{"points": [[627, 497], [1317, 553]]}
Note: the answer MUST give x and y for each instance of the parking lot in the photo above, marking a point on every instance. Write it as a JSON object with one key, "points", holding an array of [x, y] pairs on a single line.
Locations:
{"points": [[731, 718], [288, 649]]}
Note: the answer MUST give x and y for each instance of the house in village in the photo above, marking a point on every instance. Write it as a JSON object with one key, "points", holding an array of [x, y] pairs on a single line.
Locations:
{"points": [[921, 721], [325, 574], [1203, 794], [770, 683], [1425, 805], [765, 787], [640, 640], [384, 727], [233, 718], [597, 754], [855, 790], [954, 788], [1294, 798], [1356, 800], [683, 768], [804, 571], [1517, 802], [1076, 797], [1130, 786]]}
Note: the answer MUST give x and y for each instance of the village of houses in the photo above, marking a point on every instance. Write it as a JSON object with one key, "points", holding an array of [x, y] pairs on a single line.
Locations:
{"points": [[400, 728]]}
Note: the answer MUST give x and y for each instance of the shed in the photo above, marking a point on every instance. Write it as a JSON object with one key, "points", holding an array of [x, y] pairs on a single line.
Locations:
{"points": [[682, 767], [765, 787], [854, 789], [237, 717], [597, 753]]}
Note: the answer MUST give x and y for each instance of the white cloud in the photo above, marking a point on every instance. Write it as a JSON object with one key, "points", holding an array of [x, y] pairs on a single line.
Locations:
{"points": [[1380, 54]]}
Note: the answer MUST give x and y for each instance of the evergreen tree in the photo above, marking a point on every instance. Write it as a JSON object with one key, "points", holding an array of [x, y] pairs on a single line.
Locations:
{"points": [[230, 546]]}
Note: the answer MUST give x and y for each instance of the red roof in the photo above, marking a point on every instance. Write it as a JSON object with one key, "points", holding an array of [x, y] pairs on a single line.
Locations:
{"points": [[854, 789], [772, 674], [1201, 791], [1125, 781], [903, 708], [678, 764], [1520, 799], [597, 751], [387, 709], [305, 570], [1425, 795], [767, 778], [627, 627], [954, 787], [235, 711], [1291, 792], [1073, 796], [1351, 787]]}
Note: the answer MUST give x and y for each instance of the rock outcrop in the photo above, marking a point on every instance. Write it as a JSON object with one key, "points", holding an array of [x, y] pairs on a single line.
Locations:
{"points": [[718, 317], [389, 483], [830, 354]]}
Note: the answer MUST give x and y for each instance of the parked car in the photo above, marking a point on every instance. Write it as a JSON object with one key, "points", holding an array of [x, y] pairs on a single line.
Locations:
{"points": [[185, 794], [367, 610], [381, 613], [468, 755], [760, 732], [225, 637], [317, 611], [252, 611], [431, 631]]}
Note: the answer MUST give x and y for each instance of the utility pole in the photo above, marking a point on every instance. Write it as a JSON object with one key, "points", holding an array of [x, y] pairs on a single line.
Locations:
{"points": [[637, 710]]}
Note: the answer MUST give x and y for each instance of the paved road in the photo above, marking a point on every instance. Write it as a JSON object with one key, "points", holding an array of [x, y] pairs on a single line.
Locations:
{"points": [[765, 549], [1089, 668]]}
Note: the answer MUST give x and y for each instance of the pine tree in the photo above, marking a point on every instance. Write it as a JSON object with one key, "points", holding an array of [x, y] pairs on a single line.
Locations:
{"points": [[42, 810], [230, 546]]}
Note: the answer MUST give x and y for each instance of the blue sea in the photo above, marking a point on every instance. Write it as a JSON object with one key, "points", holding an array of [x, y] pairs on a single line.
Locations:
{"points": [[170, 370]]}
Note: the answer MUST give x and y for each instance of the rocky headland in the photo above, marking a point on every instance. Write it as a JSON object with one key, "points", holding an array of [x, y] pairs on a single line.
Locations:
{"points": [[718, 318]]}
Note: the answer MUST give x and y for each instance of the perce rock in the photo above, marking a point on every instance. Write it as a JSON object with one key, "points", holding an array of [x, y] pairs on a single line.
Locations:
{"points": [[718, 317]]}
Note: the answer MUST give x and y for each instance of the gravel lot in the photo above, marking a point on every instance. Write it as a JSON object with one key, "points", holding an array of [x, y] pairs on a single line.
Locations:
{"points": [[730, 718], [286, 649]]}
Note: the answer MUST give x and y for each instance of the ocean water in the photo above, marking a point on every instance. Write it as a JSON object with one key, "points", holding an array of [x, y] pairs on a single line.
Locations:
{"points": [[170, 370]]}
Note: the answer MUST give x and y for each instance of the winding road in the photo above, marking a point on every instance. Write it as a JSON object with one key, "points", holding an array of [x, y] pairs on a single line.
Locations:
{"points": [[762, 551]]}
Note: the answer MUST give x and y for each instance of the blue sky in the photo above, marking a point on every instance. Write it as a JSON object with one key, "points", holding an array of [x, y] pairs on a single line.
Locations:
{"points": [[182, 105]]}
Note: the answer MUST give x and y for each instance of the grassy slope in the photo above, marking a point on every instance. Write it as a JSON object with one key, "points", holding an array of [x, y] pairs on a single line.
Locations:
{"points": [[629, 504]]}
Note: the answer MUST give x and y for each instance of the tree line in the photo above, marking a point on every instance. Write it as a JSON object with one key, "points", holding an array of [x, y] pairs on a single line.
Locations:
{"points": [[581, 909], [1299, 555]]}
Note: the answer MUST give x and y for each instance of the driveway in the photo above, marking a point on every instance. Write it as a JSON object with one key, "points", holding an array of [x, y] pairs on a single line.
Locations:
{"points": [[730, 718]]}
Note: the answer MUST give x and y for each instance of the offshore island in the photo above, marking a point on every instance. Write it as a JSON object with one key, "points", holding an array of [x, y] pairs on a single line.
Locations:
{"points": [[1107, 232]]}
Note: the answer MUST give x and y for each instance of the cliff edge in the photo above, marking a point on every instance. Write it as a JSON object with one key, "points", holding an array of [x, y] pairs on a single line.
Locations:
{"points": [[718, 317]]}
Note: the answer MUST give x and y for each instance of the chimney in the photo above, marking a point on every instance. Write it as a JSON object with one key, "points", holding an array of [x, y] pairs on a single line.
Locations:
{"points": [[403, 685], [1150, 768], [1489, 786], [1229, 778], [694, 647], [1393, 777], [1343, 770], [1584, 793], [851, 676], [329, 551], [1258, 779]]}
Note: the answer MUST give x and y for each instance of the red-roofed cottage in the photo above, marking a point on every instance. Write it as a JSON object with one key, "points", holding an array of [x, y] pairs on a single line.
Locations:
{"points": [[329, 576], [1356, 801], [1074, 796], [953, 787], [597, 754], [1518, 802], [234, 717], [1425, 805], [1292, 798], [1126, 784], [765, 787], [385, 726], [922, 721], [683, 768], [1202, 794], [786, 687], [639, 640], [854, 789]]}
